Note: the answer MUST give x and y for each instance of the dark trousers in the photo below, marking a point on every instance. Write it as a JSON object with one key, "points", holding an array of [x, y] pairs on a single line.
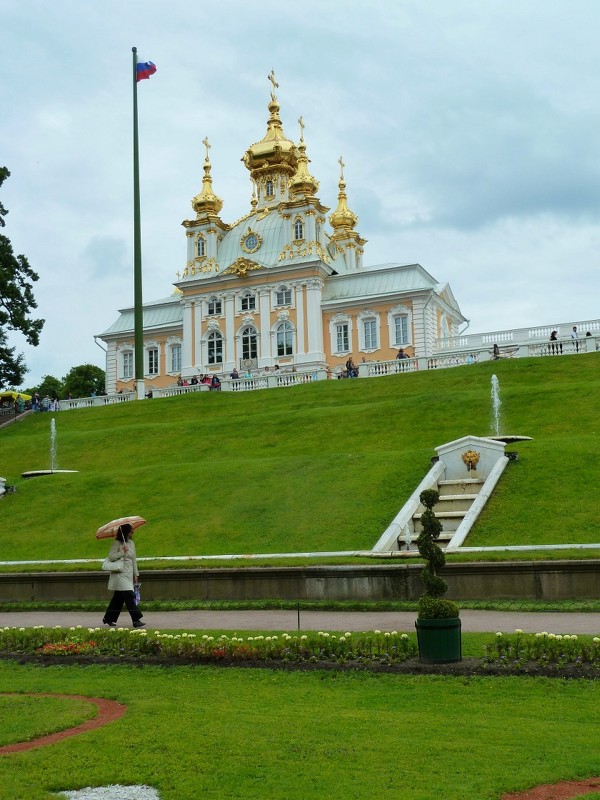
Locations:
{"points": [[119, 599]]}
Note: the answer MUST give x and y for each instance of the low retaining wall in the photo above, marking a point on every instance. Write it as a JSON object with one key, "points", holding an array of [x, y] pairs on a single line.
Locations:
{"points": [[528, 580]]}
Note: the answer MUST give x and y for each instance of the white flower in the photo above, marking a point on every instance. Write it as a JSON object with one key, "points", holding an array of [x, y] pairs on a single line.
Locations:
{"points": [[394, 633], [404, 636], [596, 639], [72, 628], [21, 629], [342, 638], [518, 630], [347, 634], [304, 637], [573, 636], [377, 632], [552, 636], [498, 633], [386, 633]]}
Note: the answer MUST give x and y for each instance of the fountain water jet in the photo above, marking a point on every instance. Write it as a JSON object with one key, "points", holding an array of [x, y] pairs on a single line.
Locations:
{"points": [[36, 472], [496, 403]]}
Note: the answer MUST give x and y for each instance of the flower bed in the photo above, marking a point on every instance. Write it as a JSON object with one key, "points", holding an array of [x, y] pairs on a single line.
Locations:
{"points": [[377, 647], [519, 653]]}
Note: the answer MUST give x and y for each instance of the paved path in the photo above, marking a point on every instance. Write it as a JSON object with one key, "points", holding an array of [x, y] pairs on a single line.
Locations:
{"points": [[472, 621]]}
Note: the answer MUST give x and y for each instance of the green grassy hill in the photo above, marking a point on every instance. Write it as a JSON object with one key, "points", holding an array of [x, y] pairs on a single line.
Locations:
{"points": [[315, 467]]}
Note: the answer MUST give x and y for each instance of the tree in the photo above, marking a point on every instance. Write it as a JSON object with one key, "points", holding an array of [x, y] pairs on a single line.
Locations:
{"points": [[50, 386], [16, 303], [84, 381]]}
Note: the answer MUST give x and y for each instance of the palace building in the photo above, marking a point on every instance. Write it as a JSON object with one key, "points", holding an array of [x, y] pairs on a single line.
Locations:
{"points": [[284, 285]]}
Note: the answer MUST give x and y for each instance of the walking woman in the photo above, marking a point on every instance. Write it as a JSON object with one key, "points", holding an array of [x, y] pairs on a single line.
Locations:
{"points": [[122, 583]]}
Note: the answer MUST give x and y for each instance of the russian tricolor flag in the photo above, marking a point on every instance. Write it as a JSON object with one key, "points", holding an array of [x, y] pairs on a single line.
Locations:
{"points": [[144, 70]]}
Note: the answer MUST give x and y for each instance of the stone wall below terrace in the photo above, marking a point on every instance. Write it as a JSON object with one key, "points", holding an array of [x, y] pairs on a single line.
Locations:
{"points": [[529, 580]]}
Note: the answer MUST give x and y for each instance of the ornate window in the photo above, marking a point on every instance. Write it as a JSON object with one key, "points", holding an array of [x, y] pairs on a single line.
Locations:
{"points": [[200, 247], [248, 302], [249, 343], [400, 326], [340, 334], [127, 364], [215, 348], [342, 337], [283, 296], [298, 229], [214, 306], [152, 360], [269, 189], [368, 331], [285, 339], [175, 358]]}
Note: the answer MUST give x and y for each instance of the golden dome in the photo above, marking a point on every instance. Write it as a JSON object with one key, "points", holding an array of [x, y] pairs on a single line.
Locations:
{"points": [[303, 182], [207, 201], [274, 153], [342, 220]]}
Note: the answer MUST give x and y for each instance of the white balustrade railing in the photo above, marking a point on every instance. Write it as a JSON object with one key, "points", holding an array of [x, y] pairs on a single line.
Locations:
{"points": [[508, 348], [518, 335]]}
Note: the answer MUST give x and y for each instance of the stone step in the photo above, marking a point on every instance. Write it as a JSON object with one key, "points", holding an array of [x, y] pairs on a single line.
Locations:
{"points": [[464, 486], [450, 502]]}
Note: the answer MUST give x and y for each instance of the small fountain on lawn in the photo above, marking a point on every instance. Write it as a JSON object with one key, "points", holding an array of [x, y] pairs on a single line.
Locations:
{"points": [[53, 463], [496, 404]]}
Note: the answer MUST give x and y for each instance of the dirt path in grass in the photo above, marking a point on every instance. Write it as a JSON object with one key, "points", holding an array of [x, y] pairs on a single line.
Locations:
{"points": [[565, 790], [108, 711]]}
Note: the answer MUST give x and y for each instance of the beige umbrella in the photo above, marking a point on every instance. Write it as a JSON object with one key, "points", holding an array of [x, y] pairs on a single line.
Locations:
{"points": [[109, 530]]}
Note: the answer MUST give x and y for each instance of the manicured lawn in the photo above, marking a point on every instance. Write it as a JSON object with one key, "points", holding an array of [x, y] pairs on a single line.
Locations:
{"points": [[246, 733], [316, 467]]}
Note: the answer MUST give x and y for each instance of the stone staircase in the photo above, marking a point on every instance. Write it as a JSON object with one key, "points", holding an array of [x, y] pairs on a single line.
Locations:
{"points": [[464, 473], [456, 498]]}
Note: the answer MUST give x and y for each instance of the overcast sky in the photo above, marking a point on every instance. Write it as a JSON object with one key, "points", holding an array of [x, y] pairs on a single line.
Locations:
{"points": [[469, 131]]}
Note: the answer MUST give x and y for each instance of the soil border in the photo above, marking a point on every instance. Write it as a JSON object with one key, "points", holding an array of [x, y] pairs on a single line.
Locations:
{"points": [[108, 711]]}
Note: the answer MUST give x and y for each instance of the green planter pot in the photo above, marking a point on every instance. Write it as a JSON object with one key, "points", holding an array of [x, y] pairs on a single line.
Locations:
{"points": [[439, 640]]}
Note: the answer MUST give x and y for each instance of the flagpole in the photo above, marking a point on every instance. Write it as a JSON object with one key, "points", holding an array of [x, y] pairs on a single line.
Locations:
{"points": [[137, 248]]}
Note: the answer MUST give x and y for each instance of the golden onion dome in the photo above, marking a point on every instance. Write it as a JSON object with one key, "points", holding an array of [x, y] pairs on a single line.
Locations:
{"points": [[207, 201], [342, 218], [303, 182], [274, 152]]}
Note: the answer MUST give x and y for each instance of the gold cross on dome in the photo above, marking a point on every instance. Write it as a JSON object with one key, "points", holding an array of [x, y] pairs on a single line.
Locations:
{"points": [[207, 145], [342, 165], [301, 123], [271, 77]]}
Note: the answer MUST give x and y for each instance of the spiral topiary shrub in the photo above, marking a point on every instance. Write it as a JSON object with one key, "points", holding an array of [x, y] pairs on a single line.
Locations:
{"points": [[430, 606]]}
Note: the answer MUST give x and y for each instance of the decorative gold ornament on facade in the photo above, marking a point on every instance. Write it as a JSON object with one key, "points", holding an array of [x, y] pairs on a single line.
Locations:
{"points": [[241, 267], [470, 459], [250, 241]]}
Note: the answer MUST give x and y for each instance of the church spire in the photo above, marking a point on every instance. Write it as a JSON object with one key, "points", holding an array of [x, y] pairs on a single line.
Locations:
{"points": [[303, 182], [342, 220], [207, 201], [274, 155]]}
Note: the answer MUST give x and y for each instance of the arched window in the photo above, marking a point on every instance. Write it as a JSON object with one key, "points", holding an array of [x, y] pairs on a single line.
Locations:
{"points": [[269, 190], [214, 306], [248, 302], [200, 247], [283, 296], [215, 348], [285, 339], [249, 343], [298, 229]]}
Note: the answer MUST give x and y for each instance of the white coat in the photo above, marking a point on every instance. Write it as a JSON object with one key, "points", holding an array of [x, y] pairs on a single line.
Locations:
{"points": [[123, 581]]}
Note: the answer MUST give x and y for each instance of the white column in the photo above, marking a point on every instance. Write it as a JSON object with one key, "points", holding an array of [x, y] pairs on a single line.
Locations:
{"points": [[314, 290], [188, 338], [198, 335], [229, 299], [264, 356], [300, 345]]}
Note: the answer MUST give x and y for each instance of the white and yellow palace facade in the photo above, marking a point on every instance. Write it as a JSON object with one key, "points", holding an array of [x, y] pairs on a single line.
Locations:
{"points": [[284, 285]]}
